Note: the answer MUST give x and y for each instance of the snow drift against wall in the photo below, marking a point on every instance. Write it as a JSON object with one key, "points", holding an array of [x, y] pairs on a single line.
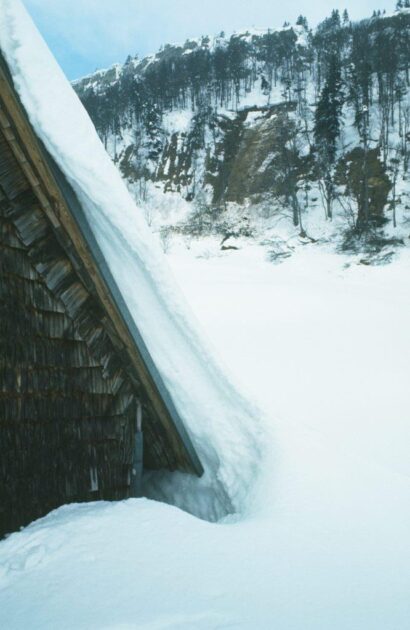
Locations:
{"points": [[223, 426]]}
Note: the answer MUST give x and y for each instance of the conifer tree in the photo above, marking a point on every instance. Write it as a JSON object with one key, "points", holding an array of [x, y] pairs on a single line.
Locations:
{"points": [[327, 128], [302, 21]]}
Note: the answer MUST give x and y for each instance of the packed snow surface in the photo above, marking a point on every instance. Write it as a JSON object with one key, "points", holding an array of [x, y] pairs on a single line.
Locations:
{"points": [[212, 409], [324, 349]]}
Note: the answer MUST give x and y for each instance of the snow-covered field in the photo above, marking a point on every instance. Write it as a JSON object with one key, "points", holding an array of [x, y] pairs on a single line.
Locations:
{"points": [[325, 541]]}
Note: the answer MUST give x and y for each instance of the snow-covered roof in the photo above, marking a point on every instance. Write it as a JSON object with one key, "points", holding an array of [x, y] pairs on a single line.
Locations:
{"points": [[74, 268], [223, 427]]}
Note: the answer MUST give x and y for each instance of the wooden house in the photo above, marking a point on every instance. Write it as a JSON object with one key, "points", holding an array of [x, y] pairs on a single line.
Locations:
{"points": [[78, 388]]}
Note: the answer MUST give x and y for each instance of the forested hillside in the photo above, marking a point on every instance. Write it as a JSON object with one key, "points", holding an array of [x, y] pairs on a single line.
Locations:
{"points": [[274, 134]]}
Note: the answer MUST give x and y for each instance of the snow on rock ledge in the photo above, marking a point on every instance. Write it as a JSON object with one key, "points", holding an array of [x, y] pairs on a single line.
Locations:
{"points": [[224, 427]]}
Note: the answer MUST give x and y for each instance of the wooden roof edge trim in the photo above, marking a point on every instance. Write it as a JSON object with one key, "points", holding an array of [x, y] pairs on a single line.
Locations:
{"points": [[51, 176]]}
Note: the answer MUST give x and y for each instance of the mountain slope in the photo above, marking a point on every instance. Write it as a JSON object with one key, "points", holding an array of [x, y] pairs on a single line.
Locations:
{"points": [[269, 133]]}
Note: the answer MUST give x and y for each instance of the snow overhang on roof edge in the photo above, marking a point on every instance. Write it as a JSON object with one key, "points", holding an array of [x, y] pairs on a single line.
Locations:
{"points": [[73, 204]]}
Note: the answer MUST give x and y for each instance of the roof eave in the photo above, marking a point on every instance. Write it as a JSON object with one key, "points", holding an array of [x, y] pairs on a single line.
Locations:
{"points": [[50, 183]]}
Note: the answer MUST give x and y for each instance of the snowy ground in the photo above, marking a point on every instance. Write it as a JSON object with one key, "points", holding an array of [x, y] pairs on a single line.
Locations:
{"points": [[325, 545]]}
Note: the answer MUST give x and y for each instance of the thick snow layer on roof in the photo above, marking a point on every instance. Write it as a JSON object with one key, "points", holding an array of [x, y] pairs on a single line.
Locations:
{"points": [[222, 425]]}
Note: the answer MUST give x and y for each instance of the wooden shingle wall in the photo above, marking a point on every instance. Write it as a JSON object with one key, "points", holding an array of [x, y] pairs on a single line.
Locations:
{"points": [[67, 410]]}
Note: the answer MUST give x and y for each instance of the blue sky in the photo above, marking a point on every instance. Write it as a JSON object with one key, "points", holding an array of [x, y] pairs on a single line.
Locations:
{"points": [[89, 34]]}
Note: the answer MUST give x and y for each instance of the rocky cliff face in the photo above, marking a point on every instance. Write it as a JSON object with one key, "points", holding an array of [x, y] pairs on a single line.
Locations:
{"points": [[289, 131]]}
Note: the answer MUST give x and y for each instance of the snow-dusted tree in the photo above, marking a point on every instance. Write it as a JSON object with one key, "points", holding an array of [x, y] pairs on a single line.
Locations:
{"points": [[327, 129]]}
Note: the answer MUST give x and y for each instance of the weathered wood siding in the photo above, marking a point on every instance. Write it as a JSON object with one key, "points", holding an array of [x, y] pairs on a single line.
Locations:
{"points": [[67, 422], [67, 410]]}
